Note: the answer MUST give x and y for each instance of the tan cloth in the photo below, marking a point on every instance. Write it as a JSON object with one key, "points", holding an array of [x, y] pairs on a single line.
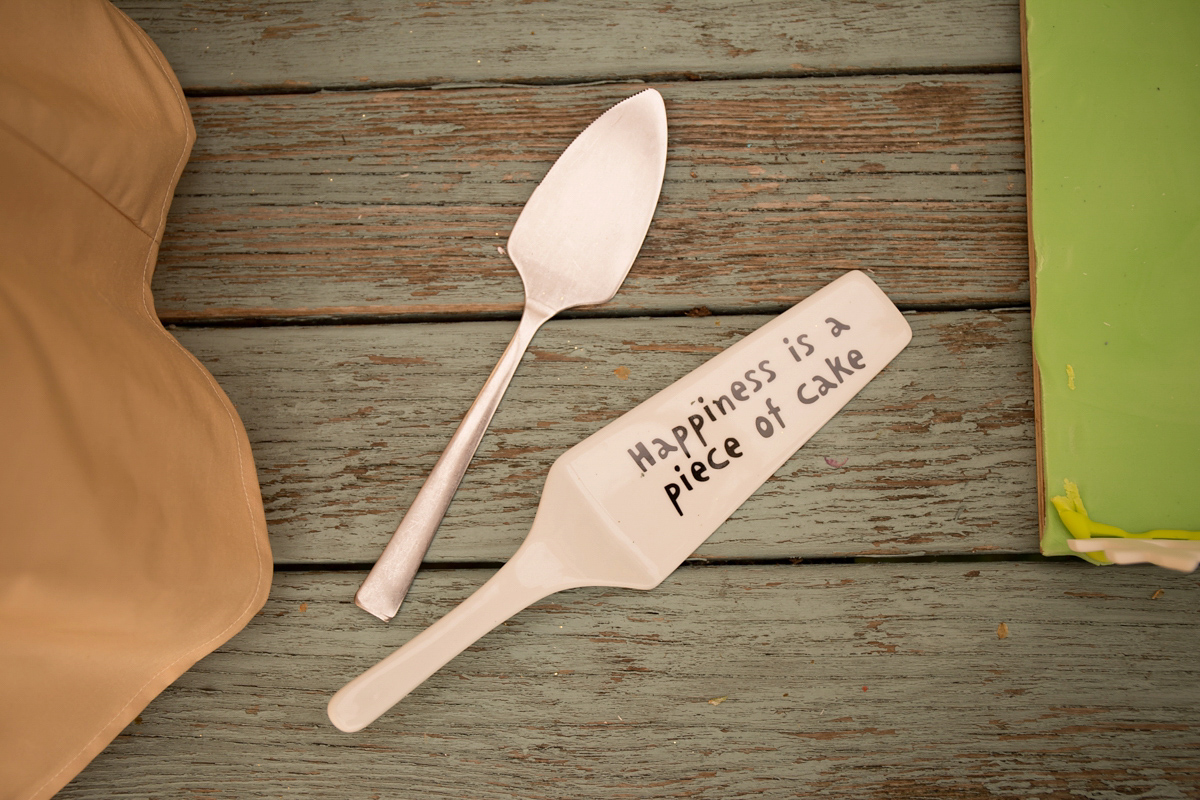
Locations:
{"points": [[132, 537]]}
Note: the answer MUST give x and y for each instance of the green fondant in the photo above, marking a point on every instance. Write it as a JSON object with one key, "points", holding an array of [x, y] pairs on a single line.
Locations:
{"points": [[1115, 144]]}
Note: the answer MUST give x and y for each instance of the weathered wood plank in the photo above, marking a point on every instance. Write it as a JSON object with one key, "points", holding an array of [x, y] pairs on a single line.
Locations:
{"points": [[395, 203], [854, 681], [937, 453], [286, 44]]}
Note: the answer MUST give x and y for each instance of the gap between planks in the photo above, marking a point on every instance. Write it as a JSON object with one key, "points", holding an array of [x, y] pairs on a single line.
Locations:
{"points": [[657, 79], [708, 563]]}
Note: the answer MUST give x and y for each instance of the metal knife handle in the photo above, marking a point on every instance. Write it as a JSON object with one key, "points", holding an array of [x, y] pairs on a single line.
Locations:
{"points": [[519, 583], [385, 587]]}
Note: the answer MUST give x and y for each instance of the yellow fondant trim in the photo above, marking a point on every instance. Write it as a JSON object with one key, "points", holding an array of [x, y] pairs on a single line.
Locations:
{"points": [[1075, 517]]}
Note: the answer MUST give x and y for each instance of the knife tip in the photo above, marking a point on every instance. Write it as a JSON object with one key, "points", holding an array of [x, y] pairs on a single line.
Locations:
{"points": [[648, 95], [649, 102]]}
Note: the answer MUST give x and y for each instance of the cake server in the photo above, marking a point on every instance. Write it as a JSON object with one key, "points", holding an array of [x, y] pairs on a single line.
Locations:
{"points": [[573, 245], [627, 505]]}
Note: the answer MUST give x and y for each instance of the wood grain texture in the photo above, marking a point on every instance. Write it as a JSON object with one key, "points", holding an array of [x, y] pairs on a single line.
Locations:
{"points": [[397, 204], [346, 422], [227, 46], [806, 139], [850, 681]]}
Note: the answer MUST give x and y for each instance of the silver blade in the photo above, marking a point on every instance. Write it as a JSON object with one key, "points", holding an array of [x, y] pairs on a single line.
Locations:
{"points": [[581, 230]]}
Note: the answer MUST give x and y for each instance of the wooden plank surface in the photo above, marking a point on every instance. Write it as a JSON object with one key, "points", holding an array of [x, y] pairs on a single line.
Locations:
{"points": [[227, 46], [935, 455], [806, 139], [849, 681], [396, 204]]}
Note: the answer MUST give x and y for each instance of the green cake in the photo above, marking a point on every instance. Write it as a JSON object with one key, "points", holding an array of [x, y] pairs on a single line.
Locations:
{"points": [[1113, 134]]}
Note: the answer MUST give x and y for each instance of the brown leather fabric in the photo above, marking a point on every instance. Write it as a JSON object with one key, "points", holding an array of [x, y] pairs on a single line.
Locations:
{"points": [[132, 536]]}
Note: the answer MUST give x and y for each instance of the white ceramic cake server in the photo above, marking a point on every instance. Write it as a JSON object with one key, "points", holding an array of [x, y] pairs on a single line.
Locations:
{"points": [[573, 245], [627, 505]]}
